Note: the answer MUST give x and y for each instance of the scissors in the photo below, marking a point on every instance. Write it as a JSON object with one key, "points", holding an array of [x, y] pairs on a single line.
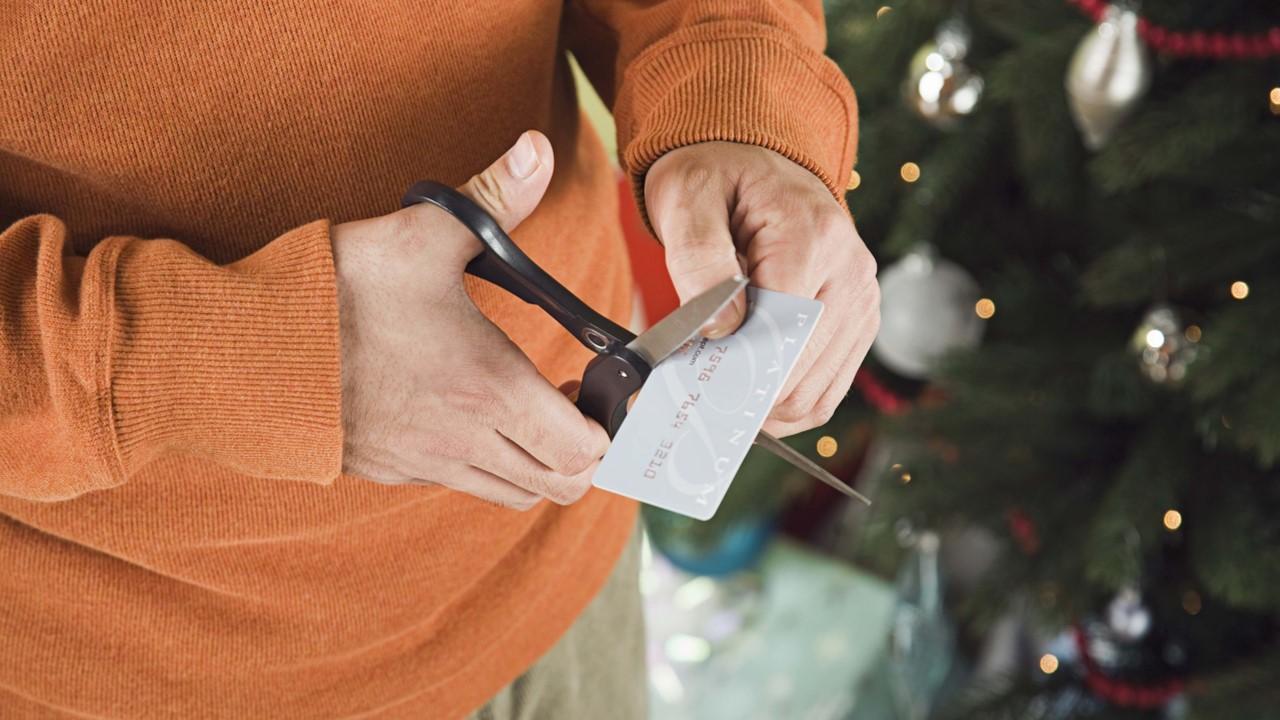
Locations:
{"points": [[623, 360]]}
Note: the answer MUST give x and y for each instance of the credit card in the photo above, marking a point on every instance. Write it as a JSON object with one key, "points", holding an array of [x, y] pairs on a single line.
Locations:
{"points": [[701, 408]]}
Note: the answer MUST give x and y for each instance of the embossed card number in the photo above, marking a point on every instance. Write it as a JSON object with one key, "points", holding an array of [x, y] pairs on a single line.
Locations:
{"points": [[692, 423]]}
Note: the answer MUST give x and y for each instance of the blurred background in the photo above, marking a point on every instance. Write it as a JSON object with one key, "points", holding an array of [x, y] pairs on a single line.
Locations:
{"points": [[1070, 423]]}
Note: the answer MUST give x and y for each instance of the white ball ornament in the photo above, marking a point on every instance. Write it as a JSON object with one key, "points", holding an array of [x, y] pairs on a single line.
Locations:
{"points": [[926, 310]]}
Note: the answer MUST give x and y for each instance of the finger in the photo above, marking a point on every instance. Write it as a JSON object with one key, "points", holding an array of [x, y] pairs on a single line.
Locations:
{"points": [[839, 389], [801, 251], [808, 253], [806, 385], [486, 486], [831, 325], [853, 317], [792, 260], [503, 458], [816, 399], [690, 214], [514, 184], [844, 271], [547, 425]]}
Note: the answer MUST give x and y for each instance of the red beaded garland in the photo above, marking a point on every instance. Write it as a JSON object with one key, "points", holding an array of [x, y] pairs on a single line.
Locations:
{"points": [[1146, 696], [878, 395], [1197, 43]]}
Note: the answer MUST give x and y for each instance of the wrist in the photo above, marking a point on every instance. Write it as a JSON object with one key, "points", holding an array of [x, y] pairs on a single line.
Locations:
{"points": [[346, 264]]}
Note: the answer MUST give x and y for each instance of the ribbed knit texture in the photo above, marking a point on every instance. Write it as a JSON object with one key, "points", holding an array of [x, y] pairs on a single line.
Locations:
{"points": [[175, 537], [737, 66], [261, 337]]}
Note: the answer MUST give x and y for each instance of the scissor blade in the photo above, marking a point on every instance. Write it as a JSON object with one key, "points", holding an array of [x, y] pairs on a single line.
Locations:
{"points": [[674, 330], [788, 453]]}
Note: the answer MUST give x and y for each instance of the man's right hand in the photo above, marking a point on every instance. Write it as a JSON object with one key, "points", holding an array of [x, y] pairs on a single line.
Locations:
{"points": [[432, 392]]}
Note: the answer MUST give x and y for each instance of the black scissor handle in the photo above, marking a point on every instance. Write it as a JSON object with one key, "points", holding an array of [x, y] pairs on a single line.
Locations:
{"points": [[505, 265], [609, 379], [608, 383]]}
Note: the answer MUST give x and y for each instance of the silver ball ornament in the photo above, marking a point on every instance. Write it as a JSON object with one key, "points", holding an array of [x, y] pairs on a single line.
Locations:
{"points": [[1165, 345], [926, 310], [1108, 75], [940, 86]]}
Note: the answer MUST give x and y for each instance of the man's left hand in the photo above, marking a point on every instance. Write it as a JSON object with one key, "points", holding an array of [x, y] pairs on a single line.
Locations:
{"points": [[720, 208]]}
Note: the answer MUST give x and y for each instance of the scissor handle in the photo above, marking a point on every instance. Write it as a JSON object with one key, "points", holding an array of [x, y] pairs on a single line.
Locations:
{"points": [[505, 265], [608, 384]]}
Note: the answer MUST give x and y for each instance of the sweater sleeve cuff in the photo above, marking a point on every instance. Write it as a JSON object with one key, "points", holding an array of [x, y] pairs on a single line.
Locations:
{"points": [[236, 363], [740, 82]]}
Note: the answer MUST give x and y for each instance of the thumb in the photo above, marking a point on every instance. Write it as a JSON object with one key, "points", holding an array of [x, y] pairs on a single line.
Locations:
{"points": [[514, 184]]}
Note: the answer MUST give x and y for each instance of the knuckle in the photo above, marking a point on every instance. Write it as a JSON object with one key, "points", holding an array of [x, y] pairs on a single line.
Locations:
{"points": [[790, 410], [404, 223], [873, 316], [520, 504], [865, 266], [410, 224], [807, 395], [831, 223], [540, 482], [571, 489], [698, 254], [800, 405], [575, 457], [488, 190], [526, 503], [477, 401], [694, 179], [551, 485], [781, 205]]}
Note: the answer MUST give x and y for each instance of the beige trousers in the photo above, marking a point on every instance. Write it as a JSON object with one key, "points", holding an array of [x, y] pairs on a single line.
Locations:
{"points": [[597, 669]]}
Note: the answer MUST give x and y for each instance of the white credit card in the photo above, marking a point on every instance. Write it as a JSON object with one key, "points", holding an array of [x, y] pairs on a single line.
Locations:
{"points": [[701, 408]]}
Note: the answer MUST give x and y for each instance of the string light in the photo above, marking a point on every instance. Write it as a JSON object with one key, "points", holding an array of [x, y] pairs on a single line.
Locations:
{"points": [[904, 476], [985, 308], [1191, 602], [1193, 333], [1239, 289], [1172, 519], [910, 172], [854, 180], [1275, 96], [884, 10], [827, 446], [1048, 663]]}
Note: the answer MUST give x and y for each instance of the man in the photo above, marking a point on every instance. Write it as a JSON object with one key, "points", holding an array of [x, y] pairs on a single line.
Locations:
{"points": [[260, 457]]}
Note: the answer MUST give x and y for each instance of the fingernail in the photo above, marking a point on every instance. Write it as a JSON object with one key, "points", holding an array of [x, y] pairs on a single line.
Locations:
{"points": [[723, 322], [522, 159]]}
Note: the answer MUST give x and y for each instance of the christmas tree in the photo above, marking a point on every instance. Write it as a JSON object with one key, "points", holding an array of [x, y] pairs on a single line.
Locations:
{"points": [[1077, 211]]}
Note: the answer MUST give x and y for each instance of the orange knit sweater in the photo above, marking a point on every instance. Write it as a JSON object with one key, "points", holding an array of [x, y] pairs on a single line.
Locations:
{"points": [[176, 539]]}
